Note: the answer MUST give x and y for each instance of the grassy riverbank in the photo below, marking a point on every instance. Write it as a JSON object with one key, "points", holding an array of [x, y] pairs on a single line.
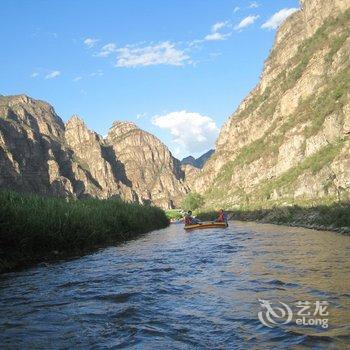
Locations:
{"points": [[34, 228], [335, 217]]}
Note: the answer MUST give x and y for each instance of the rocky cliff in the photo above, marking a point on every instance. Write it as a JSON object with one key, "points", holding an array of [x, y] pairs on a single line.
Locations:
{"points": [[288, 141], [152, 171], [33, 155], [38, 153]]}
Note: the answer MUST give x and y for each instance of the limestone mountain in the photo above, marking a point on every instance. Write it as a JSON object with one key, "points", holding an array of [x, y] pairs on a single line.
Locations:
{"points": [[38, 153], [33, 156], [90, 151], [153, 172], [288, 141], [200, 161]]}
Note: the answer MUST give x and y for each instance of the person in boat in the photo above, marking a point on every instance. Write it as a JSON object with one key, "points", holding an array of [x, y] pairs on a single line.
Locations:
{"points": [[221, 217], [190, 220]]}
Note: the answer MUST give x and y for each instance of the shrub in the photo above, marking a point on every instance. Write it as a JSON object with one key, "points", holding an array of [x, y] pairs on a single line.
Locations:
{"points": [[192, 201], [173, 214]]}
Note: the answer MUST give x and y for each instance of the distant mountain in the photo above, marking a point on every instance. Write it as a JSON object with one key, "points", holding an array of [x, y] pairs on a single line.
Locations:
{"points": [[199, 162], [41, 154]]}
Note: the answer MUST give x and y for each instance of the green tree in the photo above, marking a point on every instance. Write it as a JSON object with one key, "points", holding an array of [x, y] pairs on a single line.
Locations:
{"points": [[192, 201]]}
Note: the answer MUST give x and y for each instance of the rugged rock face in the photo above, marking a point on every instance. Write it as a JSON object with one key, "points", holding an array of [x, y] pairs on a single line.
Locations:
{"points": [[191, 174], [32, 152], [289, 139], [199, 162], [98, 158], [154, 174], [38, 153]]}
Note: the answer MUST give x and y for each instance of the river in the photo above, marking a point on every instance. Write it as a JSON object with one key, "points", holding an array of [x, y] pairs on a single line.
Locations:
{"points": [[171, 289]]}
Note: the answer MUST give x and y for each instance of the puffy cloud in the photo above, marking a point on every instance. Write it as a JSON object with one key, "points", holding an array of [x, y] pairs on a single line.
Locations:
{"points": [[247, 21], [77, 78], [107, 50], [53, 74], [191, 131], [278, 18], [163, 53], [34, 75], [217, 26], [215, 34], [90, 42], [236, 9]]}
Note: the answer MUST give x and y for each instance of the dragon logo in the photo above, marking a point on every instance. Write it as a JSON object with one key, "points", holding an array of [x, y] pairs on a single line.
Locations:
{"points": [[272, 316]]}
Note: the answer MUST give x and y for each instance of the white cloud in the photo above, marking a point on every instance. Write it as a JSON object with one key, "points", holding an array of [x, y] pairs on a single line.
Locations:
{"points": [[163, 53], [236, 9], [107, 50], [217, 26], [34, 75], [247, 21], [90, 42], [253, 5], [195, 43], [77, 79], [191, 131], [215, 34], [278, 18], [53, 74], [177, 152]]}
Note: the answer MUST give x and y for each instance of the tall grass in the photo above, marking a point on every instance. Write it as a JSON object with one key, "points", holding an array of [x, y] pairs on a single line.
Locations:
{"points": [[335, 216], [332, 216], [33, 228]]}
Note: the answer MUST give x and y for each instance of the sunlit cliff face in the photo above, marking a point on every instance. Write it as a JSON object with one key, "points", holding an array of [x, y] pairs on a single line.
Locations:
{"points": [[288, 141]]}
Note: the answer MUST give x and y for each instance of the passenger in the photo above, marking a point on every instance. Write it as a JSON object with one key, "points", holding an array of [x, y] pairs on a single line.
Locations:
{"points": [[221, 217], [190, 220]]}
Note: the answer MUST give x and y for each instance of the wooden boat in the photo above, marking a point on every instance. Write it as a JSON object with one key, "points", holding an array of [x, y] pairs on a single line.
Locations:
{"points": [[207, 224]]}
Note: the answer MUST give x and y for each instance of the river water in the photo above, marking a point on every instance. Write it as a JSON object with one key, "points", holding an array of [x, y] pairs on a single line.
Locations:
{"points": [[171, 289]]}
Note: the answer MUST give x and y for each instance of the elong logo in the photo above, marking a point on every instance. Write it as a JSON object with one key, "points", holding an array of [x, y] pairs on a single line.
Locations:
{"points": [[281, 313]]}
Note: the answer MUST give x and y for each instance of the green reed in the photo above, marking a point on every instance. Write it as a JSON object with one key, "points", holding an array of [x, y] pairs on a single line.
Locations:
{"points": [[35, 228]]}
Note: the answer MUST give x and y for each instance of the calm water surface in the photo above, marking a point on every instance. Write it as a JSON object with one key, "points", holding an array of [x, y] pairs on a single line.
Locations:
{"points": [[175, 290]]}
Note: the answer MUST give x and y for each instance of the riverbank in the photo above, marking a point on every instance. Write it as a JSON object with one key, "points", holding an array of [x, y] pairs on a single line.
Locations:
{"points": [[333, 217], [36, 229]]}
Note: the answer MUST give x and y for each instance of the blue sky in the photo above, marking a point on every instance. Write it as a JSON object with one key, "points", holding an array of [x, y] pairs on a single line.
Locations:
{"points": [[177, 68]]}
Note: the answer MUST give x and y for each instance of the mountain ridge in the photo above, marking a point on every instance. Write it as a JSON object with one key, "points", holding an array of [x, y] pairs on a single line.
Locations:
{"points": [[40, 153], [197, 162], [288, 141]]}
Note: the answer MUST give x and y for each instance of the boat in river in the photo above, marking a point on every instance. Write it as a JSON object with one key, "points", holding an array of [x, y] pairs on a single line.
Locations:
{"points": [[206, 224]]}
